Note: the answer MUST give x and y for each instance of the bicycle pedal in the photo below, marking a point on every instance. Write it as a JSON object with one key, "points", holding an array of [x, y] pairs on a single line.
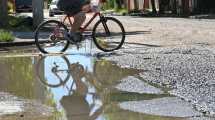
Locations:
{"points": [[78, 45]]}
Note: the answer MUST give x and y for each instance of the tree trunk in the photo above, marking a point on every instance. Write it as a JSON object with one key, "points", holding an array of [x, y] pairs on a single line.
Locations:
{"points": [[119, 2], [136, 5], [115, 5], [161, 7], [174, 7], [154, 11], [3, 13], [198, 7], [37, 12], [185, 5]]}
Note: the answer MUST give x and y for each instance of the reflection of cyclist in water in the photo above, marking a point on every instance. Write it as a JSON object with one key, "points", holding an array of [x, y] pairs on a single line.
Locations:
{"points": [[77, 105], [82, 102]]}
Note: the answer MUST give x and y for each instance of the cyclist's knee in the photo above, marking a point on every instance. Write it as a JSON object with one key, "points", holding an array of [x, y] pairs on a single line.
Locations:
{"points": [[80, 16]]}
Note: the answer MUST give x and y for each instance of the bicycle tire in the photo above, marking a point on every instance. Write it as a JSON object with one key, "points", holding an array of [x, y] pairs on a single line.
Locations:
{"points": [[103, 22], [40, 42], [42, 79]]}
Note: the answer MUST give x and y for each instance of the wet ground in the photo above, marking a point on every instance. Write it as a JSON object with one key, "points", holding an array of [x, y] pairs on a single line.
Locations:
{"points": [[87, 84]]}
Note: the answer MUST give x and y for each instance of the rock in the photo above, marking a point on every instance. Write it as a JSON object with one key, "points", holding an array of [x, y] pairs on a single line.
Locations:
{"points": [[167, 106], [132, 84]]}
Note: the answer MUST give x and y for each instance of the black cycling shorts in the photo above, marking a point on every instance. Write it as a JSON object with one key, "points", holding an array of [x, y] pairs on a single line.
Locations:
{"points": [[70, 7]]}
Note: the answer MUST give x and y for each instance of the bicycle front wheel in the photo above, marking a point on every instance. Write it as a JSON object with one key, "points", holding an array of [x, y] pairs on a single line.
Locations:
{"points": [[50, 37], [108, 34]]}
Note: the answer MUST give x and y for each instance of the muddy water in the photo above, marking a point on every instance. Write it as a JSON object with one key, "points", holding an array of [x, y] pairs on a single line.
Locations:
{"points": [[72, 87]]}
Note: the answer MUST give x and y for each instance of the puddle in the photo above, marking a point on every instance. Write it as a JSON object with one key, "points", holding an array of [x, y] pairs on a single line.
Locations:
{"points": [[77, 86], [87, 46]]}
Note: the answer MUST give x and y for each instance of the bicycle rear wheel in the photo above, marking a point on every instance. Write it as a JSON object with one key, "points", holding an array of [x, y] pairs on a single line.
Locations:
{"points": [[108, 34], [50, 37]]}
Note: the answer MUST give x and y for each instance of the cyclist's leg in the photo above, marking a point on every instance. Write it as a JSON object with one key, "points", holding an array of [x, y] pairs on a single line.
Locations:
{"points": [[79, 19]]}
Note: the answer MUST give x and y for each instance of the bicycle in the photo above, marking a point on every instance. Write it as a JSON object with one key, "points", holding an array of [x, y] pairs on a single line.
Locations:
{"points": [[108, 34]]}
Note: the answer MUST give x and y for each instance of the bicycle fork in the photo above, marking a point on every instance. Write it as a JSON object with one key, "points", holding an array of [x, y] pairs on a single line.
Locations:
{"points": [[104, 23]]}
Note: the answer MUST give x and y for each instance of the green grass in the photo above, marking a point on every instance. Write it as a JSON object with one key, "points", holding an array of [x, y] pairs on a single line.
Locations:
{"points": [[6, 36], [122, 11]]}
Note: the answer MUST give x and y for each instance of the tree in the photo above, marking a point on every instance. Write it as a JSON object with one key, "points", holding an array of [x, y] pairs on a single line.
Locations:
{"points": [[117, 4], [154, 10], [37, 12], [163, 5], [3, 13]]}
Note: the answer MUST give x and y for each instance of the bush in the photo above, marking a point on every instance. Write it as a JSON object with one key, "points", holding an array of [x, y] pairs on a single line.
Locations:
{"points": [[122, 11], [108, 5], [21, 23], [6, 36], [14, 21]]}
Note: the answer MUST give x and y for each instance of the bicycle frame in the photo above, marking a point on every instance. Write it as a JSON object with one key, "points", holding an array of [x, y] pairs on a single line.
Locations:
{"points": [[83, 28]]}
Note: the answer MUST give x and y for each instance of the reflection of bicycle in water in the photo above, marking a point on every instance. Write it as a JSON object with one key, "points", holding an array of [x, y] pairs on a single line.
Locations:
{"points": [[82, 102], [55, 65]]}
